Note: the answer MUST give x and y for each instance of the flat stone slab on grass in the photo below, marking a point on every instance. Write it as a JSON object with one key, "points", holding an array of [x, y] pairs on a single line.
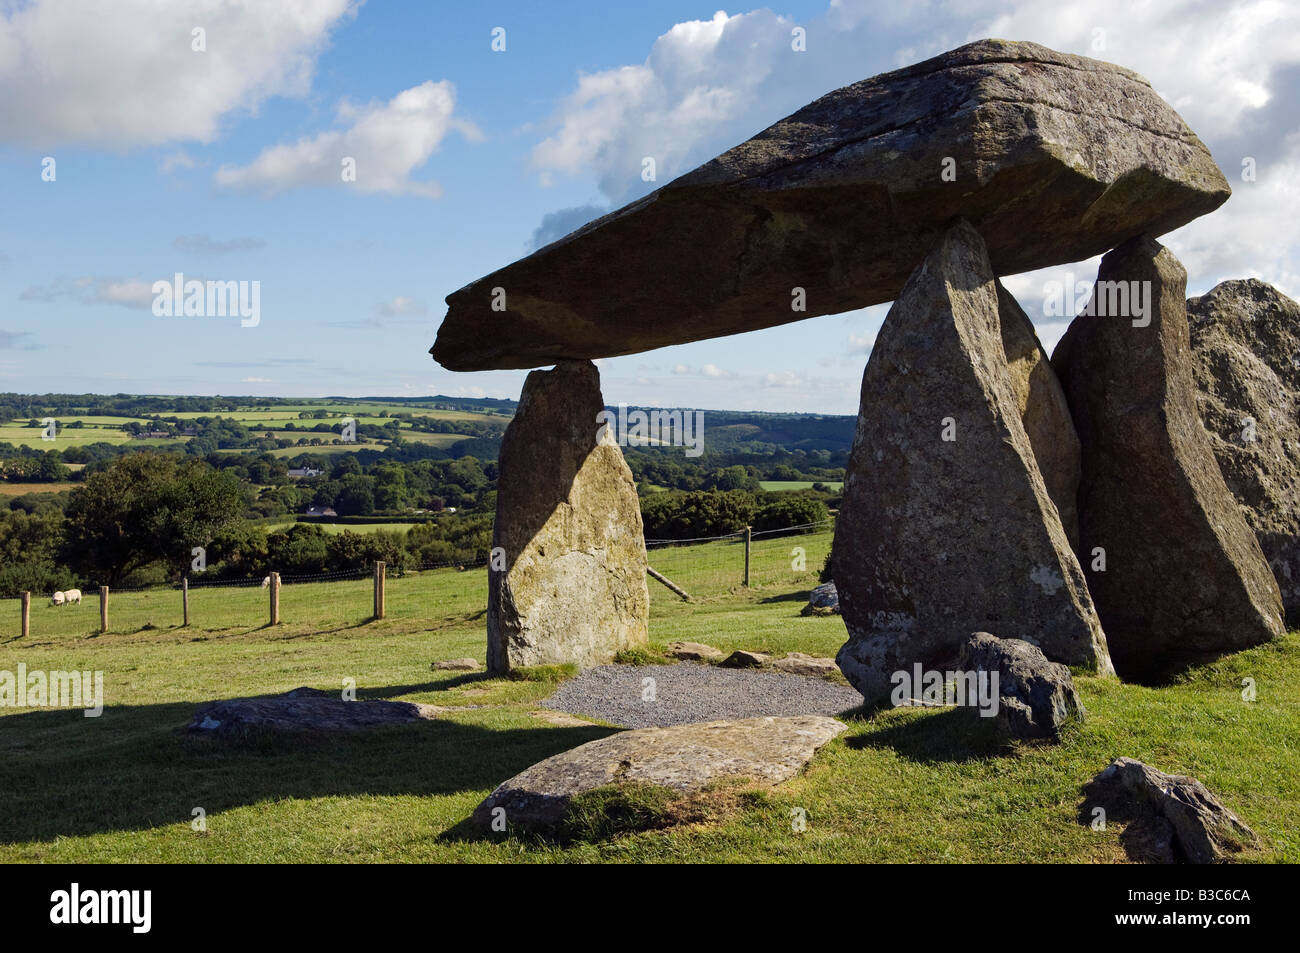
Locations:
{"points": [[689, 692], [1053, 157], [685, 758], [305, 709]]}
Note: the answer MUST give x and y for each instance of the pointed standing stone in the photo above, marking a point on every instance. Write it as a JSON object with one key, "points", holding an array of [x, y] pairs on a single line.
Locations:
{"points": [[946, 526], [573, 588], [1183, 577]]}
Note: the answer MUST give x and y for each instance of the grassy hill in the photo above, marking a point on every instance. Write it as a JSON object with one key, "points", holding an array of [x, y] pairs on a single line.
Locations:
{"points": [[908, 785]]}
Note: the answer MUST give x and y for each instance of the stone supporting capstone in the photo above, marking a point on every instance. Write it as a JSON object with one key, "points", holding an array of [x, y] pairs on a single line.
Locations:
{"points": [[567, 581], [947, 526], [1176, 573]]}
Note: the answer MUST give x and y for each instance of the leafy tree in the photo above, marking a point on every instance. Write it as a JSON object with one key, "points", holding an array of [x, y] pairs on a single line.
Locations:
{"points": [[143, 508], [356, 496]]}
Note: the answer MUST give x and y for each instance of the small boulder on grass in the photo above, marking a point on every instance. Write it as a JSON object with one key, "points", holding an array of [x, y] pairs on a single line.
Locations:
{"points": [[1173, 818], [823, 600], [742, 659], [694, 652], [1036, 698]]}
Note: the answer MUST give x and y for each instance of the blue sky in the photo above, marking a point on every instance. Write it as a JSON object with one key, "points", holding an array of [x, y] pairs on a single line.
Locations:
{"points": [[223, 164]]}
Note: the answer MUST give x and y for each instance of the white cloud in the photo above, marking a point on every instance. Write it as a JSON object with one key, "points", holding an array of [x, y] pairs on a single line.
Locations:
{"points": [[385, 142], [256, 380], [712, 370], [180, 159], [1231, 69], [402, 305], [700, 78], [126, 292], [124, 74]]}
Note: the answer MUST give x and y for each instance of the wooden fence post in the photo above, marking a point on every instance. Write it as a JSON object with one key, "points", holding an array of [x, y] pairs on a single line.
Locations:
{"points": [[185, 599], [749, 535], [103, 608], [379, 589], [275, 598], [27, 614]]}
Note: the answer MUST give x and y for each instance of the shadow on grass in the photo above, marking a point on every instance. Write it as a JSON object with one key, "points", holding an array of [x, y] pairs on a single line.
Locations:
{"points": [[951, 735], [438, 685], [801, 596], [135, 767]]}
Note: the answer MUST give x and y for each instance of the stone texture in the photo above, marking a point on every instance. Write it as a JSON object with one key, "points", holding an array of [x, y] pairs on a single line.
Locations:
{"points": [[304, 709], [694, 652], [797, 663], [1057, 158], [568, 519], [1246, 358], [1184, 577], [685, 758], [936, 538], [455, 665], [1180, 821], [1036, 698], [1043, 411], [823, 600], [742, 659]]}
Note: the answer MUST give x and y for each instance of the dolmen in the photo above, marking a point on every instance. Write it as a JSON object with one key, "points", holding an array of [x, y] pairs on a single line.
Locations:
{"points": [[1072, 502]]}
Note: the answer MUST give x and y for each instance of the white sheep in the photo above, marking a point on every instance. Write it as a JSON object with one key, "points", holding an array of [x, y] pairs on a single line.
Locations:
{"points": [[266, 582], [71, 596], [57, 599]]}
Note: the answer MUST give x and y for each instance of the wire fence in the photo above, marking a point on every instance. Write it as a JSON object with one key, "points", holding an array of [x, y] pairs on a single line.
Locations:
{"points": [[438, 594]]}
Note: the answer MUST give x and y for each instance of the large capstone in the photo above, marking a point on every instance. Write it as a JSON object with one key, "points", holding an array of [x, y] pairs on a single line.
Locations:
{"points": [[1054, 158], [1175, 571], [567, 581], [1246, 358], [946, 526]]}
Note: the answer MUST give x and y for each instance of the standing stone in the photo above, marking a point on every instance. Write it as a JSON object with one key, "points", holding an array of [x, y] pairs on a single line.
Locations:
{"points": [[1246, 353], [1043, 411], [939, 537], [573, 588], [1183, 576]]}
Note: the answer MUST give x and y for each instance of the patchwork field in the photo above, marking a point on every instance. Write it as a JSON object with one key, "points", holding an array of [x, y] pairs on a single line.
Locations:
{"points": [[903, 785], [99, 428]]}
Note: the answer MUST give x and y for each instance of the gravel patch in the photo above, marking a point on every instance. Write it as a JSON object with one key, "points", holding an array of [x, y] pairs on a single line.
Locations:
{"points": [[689, 692]]}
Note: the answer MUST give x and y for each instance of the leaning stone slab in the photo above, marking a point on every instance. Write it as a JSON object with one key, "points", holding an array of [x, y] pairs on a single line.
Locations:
{"points": [[1182, 822], [568, 521], [1183, 577], [1043, 410], [304, 710], [1036, 698], [1053, 157], [946, 526], [685, 758], [1246, 357]]}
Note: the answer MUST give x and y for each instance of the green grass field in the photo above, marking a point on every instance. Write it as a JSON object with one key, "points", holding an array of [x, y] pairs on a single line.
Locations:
{"points": [[18, 489], [908, 785], [774, 485]]}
